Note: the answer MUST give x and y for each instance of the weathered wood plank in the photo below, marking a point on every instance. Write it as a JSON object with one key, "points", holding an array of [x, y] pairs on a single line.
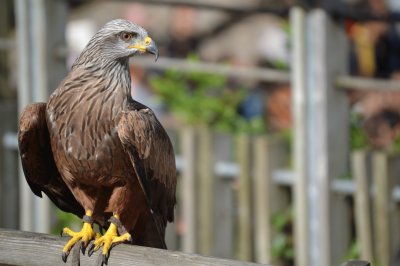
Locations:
{"points": [[393, 180], [249, 73], [223, 219], [244, 198], [327, 131], [27, 248], [8, 169], [261, 200], [224, 199], [188, 191], [300, 105], [361, 83], [268, 197], [171, 237], [362, 205], [205, 197], [381, 207]]}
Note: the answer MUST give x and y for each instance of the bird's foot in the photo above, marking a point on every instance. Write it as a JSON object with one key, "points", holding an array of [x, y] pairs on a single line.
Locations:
{"points": [[85, 236], [109, 240]]}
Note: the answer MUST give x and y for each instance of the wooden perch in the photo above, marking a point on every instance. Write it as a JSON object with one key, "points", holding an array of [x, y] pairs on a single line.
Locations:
{"points": [[27, 248]]}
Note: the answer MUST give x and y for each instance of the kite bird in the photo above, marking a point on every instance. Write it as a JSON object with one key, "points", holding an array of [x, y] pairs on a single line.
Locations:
{"points": [[97, 153]]}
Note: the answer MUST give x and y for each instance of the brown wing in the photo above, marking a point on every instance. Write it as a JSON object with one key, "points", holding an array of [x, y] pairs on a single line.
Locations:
{"points": [[152, 155], [37, 160]]}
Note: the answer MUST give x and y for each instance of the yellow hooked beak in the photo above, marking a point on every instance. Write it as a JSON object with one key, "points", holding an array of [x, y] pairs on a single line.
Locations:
{"points": [[148, 46]]}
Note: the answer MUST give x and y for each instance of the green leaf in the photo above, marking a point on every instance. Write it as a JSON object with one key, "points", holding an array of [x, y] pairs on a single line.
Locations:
{"points": [[201, 98]]}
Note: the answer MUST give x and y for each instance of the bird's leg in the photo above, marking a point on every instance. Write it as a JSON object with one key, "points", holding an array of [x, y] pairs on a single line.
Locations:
{"points": [[85, 235], [114, 235]]}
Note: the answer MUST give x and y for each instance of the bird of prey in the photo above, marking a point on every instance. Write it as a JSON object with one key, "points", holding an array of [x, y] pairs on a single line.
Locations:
{"points": [[98, 153]]}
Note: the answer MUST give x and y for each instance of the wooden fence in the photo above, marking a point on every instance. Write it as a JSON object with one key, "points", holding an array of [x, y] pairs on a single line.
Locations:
{"points": [[232, 187], [226, 196]]}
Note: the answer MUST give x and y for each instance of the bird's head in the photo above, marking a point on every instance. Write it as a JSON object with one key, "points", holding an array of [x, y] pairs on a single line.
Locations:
{"points": [[118, 39]]}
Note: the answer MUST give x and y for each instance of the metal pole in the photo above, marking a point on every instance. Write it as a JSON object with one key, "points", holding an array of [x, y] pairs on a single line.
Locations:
{"points": [[39, 51], [41, 214], [22, 18]]}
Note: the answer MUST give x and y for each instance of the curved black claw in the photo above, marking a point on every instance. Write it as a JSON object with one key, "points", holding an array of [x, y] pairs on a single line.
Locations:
{"points": [[90, 249], [83, 247], [62, 232], [64, 256]]}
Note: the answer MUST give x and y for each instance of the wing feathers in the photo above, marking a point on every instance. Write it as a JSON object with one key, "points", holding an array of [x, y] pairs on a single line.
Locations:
{"points": [[152, 155], [37, 160]]}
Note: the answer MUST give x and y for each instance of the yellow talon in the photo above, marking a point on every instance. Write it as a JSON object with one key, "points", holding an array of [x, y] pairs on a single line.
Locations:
{"points": [[85, 236], [109, 239]]}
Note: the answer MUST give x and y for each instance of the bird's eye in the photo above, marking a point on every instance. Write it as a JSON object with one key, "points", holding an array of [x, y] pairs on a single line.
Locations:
{"points": [[127, 36]]}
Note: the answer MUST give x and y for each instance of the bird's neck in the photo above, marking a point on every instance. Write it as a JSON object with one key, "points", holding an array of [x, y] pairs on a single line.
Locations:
{"points": [[116, 76], [118, 72]]}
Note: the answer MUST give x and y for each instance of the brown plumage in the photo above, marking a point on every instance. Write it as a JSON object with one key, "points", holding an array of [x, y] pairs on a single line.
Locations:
{"points": [[92, 147]]}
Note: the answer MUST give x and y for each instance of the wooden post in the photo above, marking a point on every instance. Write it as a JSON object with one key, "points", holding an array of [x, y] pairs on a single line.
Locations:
{"points": [[382, 202], [171, 237], [321, 149], [205, 169], [393, 181], [244, 203], [24, 98], [224, 200], [8, 170], [5, 28], [224, 219], [262, 200], [188, 190], [268, 198], [328, 134], [300, 104], [362, 205]]}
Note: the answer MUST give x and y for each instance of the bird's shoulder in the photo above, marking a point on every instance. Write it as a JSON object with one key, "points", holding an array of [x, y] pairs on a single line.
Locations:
{"points": [[138, 126]]}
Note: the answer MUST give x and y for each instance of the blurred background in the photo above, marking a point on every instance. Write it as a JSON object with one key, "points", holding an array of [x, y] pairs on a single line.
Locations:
{"points": [[285, 117]]}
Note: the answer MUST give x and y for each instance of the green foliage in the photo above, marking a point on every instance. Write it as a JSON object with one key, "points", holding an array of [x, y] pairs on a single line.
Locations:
{"points": [[282, 245], [395, 146], [353, 252], [204, 99], [287, 136], [65, 219], [358, 137]]}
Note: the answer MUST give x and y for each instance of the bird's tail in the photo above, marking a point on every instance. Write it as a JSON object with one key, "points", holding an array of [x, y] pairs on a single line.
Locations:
{"points": [[150, 231]]}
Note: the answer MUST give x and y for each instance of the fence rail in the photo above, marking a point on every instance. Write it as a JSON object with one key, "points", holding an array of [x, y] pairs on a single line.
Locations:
{"points": [[360, 83], [27, 248], [183, 65]]}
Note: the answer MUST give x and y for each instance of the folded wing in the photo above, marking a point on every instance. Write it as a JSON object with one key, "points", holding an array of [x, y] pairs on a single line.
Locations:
{"points": [[151, 153], [37, 160]]}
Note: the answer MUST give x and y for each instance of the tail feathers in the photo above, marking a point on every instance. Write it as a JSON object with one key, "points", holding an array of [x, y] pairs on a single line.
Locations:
{"points": [[150, 231]]}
